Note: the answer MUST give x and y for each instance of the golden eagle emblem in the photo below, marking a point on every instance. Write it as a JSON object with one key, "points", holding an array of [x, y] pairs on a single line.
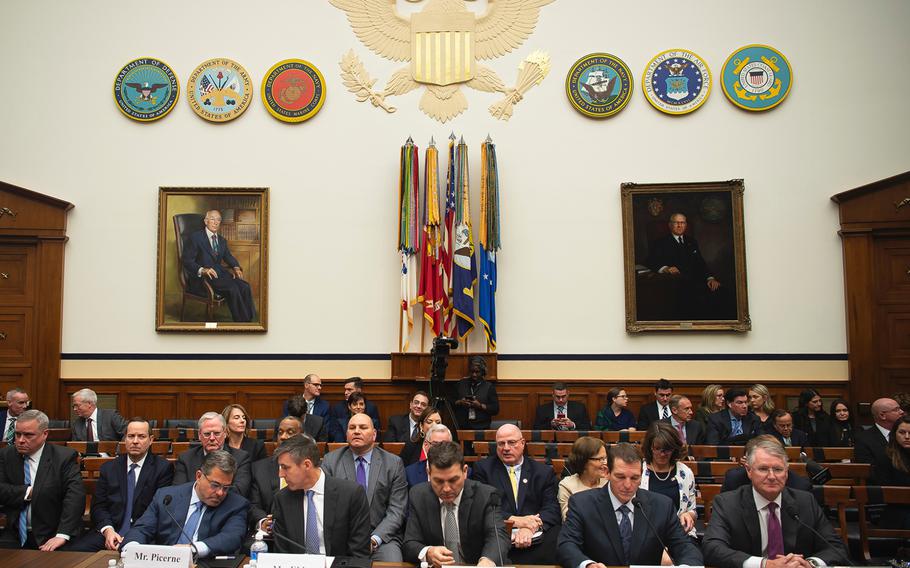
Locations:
{"points": [[443, 43]]}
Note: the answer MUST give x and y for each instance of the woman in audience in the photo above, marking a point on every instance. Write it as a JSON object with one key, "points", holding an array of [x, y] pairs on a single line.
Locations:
{"points": [[413, 448], [588, 463], [665, 474], [357, 404], [712, 400], [238, 423], [896, 471], [841, 424], [615, 416], [812, 419], [761, 404]]}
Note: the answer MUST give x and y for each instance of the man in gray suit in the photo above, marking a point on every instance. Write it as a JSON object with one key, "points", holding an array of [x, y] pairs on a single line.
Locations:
{"points": [[381, 474], [93, 424]]}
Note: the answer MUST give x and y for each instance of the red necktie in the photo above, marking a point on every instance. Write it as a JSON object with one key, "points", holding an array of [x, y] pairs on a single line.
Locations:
{"points": [[89, 436], [682, 432], [775, 534]]}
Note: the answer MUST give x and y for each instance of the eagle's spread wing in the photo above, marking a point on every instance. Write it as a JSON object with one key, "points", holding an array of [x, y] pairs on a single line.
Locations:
{"points": [[505, 26], [379, 26]]}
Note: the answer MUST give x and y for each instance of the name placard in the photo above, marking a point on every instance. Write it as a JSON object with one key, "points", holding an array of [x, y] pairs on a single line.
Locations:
{"points": [[274, 560], [155, 556]]}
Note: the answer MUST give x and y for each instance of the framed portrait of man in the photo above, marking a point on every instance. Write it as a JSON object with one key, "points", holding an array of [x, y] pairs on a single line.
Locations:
{"points": [[212, 259], [685, 257]]}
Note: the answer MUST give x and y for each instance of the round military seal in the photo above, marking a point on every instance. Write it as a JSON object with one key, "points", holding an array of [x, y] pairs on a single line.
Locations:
{"points": [[676, 81], [599, 85], [146, 89], [756, 77], [219, 90], [293, 90]]}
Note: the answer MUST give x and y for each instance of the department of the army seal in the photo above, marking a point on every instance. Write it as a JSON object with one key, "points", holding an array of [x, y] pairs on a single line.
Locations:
{"points": [[756, 77], [293, 90], [146, 89], [219, 90], [676, 81], [599, 85]]}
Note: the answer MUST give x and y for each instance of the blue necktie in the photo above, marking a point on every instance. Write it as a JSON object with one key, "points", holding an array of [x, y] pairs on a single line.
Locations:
{"points": [[191, 524], [361, 473], [311, 531], [625, 533], [23, 516], [130, 493], [737, 427]]}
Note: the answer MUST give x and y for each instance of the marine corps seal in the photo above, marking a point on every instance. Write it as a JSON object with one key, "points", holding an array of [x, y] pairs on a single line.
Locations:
{"points": [[293, 90], [146, 89], [219, 90], [599, 85], [676, 81], [756, 77]]}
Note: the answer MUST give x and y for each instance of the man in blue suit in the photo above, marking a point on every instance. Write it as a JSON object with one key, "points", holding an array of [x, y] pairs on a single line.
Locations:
{"points": [[205, 255], [116, 505], [209, 517], [312, 397]]}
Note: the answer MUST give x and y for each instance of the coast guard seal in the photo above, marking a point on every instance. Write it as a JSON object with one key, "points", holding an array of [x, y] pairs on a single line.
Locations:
{"points": [[219, 90], [146, 89], [676, 81], [599, 85], [293, 90], [756, 77]]}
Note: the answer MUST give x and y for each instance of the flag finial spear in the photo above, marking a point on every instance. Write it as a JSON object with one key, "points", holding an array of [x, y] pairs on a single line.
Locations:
{"points": [[452, 135], [410, 141], [489, 140], [432, 142], [461, 140]]}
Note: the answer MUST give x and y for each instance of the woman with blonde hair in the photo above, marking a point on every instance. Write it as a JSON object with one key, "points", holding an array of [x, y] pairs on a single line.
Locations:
{"points": [[588, 463], [761, 404], [712, 400], [238, 426]]}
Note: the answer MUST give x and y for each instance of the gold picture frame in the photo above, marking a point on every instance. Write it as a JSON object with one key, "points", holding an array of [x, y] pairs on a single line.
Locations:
{"points": [[668, 282]]}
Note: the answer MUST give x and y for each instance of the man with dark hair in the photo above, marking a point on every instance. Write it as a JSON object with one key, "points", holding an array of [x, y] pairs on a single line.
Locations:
{"points": [[93, 424], [530, 502], [17, 402], [405, 427], [782, 428], [312, 424], [315, 513], [659, 409], [339, 412], [476, 401], [212, 435], [266, 479], [211, 517], [562, 413], [602, 525], [125, 488], [41, 490], [311, 401], [692, 432], [451, 519], [765, 525], [734, 426]]}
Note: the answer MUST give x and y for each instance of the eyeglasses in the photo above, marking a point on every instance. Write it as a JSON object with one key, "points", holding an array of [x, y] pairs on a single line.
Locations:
{"points": [[317, 385], [210, 434], [596, 459], [217, 486], [663, 450], [764, 470], [509, 443], [621, 396]]}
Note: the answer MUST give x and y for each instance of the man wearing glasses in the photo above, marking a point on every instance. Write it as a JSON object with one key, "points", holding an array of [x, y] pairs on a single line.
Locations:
{"points": [[311, 399], [209, 516], [529, 497], [212, 435]]}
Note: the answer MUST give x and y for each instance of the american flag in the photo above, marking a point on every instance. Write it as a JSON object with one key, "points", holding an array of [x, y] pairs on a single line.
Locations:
{"points": [[447, 235], [206, 86]]}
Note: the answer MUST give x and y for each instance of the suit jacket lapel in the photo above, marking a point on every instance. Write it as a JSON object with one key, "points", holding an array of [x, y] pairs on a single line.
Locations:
{"points": [[328, 514], [522, 486], [790, 532], [373, 479], [181, 506], [44, 467], [750, 520], [120, 474], [608, 517], [464, 516]]}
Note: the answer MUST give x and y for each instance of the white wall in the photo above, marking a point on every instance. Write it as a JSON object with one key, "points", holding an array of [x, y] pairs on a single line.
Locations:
{"points": [[334, 274]]}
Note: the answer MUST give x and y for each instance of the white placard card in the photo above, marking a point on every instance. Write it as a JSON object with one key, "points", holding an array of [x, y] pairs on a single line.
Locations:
{"points": [[274, 560], [155, 556]]}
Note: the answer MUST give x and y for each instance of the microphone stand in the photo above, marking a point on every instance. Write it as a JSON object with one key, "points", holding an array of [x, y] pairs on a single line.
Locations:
{"points": [[638, 505], [189, 538]]}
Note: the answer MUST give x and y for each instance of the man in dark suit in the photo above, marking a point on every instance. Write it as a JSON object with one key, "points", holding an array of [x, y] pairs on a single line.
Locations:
{"points": [[339, 412], [476, 401], [658, 409], [610, 526], [212, 517], [681, 417], [562, 413], [41, 490], [738, 476], [530, 502], [313, 424], [782, 429], [869, 445], [125, 489], [416, 473], [212, 435], [765, 524], [205, 255], [266, 479], [311, 496], [17, 402], [93, 424], [381, 474], [406, 427], [452, 518], [311, 397], [734, 426]]}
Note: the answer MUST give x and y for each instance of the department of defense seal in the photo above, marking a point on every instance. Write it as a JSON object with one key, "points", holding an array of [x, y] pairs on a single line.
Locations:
{"points": [[146, 89], [756, 77], [599, 85], [676, 81], [219, 90], [293, 90]]}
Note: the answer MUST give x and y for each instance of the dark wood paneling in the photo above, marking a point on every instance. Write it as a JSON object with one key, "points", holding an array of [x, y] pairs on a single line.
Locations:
{"points": [[149, 405], [411, 366]]}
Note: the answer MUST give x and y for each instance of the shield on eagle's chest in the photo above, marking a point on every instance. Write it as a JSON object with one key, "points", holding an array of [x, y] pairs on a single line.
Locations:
{"points": [[442, 47]]}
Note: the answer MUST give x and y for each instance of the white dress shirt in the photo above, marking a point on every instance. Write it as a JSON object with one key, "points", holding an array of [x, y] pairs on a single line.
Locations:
{"points": [[94, 419]]}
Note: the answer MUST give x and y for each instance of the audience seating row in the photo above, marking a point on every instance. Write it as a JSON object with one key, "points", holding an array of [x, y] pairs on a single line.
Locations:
{"points": [[555, 435]]}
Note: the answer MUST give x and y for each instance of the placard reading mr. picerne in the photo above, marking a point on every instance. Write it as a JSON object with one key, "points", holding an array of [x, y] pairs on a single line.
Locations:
{"points": [[154, 556]]}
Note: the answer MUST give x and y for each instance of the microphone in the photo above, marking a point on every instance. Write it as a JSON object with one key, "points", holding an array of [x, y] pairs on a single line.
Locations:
{"points": [[287, 540], [495, 500], [167, 501], [640, 506], [794, 514]]}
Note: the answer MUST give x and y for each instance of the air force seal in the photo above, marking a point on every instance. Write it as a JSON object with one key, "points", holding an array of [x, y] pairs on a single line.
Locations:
{"points": [[756, 77], [293, 90], [146, 89], [676, 81], [599, 85], [219, 90]]}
